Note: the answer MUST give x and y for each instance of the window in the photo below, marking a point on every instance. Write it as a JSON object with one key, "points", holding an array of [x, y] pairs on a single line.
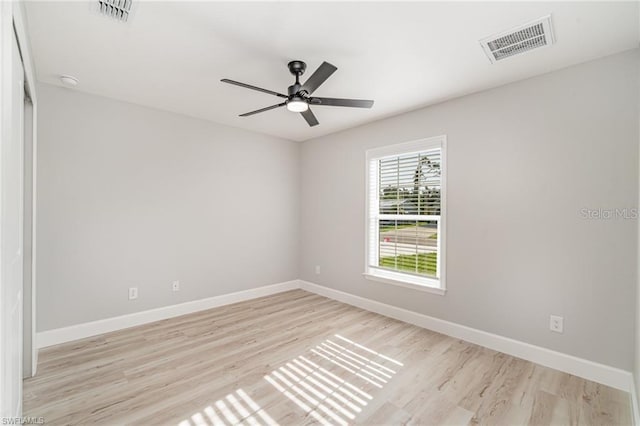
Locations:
{"points": [[405, 214]]}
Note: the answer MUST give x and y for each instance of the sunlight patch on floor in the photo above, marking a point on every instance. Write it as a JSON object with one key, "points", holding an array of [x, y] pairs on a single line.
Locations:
{"points": [[235, 408], [332, 384], [332, 397]]}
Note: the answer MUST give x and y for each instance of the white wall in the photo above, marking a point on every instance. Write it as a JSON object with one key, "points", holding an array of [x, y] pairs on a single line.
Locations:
{"points": [[131, 196], [523, 160]]}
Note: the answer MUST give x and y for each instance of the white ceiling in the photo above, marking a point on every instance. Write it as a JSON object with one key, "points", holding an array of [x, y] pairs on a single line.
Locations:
{"points": [[172, 55]]}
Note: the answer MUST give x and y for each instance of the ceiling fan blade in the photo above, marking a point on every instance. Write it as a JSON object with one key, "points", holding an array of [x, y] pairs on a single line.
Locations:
{"points": [[310, 117], [248, 86], [263, 109], [323, 72], [353, 103]]}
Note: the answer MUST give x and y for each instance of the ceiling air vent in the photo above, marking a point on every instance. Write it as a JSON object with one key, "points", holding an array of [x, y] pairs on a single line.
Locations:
{"points": [[116, 9], [518, 40]]}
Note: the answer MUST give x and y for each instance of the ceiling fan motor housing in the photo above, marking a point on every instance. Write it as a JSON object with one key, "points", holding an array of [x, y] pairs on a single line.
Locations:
{"points": [[294, 89]]}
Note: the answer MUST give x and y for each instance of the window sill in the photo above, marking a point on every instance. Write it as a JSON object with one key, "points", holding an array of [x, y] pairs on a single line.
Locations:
{"points": [[414, 286]]}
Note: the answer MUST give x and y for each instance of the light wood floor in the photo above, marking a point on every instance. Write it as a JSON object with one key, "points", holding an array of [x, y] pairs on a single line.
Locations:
{"points": [[298, 358]]}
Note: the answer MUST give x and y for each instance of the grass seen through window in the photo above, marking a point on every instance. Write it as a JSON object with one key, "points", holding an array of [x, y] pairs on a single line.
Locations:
{"points": [[422, 263]]}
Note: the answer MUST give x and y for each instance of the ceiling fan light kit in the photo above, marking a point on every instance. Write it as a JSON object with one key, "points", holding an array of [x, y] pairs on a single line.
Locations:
{"points": [[299, 96], [297, 104]]}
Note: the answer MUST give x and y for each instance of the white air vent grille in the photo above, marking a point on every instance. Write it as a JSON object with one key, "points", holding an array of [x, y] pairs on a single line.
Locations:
{"points": [[519, 40], [116, 9]]}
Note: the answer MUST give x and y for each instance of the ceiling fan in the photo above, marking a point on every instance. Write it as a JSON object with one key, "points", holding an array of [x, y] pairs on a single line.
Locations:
{"points": [[299, 95]]}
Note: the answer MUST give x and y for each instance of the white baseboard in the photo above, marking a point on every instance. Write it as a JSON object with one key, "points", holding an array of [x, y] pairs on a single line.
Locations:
{"points": [[80, 331], [600, 373]]}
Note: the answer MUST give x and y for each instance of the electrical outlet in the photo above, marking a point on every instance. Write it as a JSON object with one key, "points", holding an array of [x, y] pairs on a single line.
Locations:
{"points": [[133, 293], [556, 323], [176, 286], [317, 269]]}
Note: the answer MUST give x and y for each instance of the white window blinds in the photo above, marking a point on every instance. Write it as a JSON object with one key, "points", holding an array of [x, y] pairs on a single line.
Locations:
{"points": [[405, 213]]}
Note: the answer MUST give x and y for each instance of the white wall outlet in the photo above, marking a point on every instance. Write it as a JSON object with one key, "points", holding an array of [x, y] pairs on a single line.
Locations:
{"points": [[133, 293], [556, 323], [317, 269], [175, 285]]}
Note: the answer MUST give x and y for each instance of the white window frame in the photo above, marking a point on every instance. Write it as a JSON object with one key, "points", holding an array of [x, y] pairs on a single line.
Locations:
{"points": [[433, 285]]}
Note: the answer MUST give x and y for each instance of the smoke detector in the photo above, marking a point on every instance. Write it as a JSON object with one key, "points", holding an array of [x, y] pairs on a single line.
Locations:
{"points": [[521, 39], [116, 9], [69, 80]]}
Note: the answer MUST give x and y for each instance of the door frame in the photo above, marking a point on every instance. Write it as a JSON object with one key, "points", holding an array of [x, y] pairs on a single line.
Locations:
{"points": [[20, 25], [13, 20], [10, 342], [29, 355]]}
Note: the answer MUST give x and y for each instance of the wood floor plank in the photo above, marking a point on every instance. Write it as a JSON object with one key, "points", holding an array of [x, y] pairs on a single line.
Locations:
{"points": [[298, 358]]}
